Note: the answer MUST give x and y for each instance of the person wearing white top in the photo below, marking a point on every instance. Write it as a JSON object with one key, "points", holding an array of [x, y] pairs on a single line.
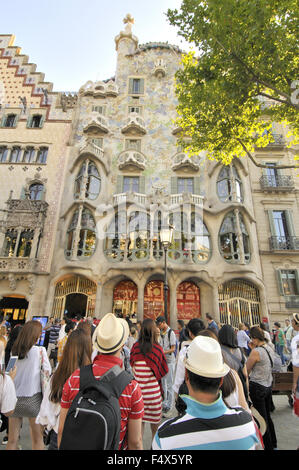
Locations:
{"points": [[242, 338], [8, 398], [28, 384]]}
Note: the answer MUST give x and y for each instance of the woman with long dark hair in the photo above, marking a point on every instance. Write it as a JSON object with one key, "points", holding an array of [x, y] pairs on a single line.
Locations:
{"points": [[149, 366], [28, 384], [76, 353]]}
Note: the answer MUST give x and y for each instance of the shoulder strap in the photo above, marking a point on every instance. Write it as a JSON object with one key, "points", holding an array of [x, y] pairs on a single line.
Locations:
{"points": [[112, 382], [268, 355], [233, 356]]}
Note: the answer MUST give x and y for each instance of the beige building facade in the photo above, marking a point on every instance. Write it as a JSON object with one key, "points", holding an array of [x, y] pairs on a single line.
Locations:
{"points": [[114, 176]]}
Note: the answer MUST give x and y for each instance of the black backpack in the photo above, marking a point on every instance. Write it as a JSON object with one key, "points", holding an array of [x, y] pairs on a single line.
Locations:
{"points": [[93, 419]]}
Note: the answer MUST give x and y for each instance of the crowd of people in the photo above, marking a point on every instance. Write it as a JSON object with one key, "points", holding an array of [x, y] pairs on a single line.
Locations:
{"points": [[207, 387]]}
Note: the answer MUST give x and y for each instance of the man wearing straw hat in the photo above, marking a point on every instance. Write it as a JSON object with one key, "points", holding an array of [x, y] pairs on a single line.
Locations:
{"points": [[109, 338], [207, 424]]}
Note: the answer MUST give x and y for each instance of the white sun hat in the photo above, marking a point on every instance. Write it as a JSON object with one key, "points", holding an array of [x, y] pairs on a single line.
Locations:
{"points": [[204, 358], [110, 334]]}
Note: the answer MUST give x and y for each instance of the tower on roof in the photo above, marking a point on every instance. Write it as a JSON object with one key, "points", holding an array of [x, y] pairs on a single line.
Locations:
{"points": [[125, 41]]}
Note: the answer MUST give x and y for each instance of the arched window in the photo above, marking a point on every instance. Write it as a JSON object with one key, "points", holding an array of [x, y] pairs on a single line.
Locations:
{"points": [[81, 234], [15, 155], [36, 191], [139, 236], [191, 239], [116, 237], [88, 181], [229, 185], [200, 239], [234, 239]]}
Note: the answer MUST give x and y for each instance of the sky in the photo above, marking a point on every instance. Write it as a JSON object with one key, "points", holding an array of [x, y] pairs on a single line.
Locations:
{"points": [[72, 41]]}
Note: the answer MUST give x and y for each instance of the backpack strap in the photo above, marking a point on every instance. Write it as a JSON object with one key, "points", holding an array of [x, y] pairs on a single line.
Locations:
{"points": [[113, 382], [239, 363]]}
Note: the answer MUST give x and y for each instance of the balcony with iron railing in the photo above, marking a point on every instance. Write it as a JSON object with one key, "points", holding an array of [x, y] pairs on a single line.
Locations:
{"points": [[292, 301], [277, 183], [284, 243]]}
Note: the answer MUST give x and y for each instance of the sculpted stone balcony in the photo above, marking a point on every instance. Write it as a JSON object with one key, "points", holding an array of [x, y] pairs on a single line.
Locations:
{"points": [[131, 159], [22, 265], [97, 124], [182, 160], [171, 200], [134, 124]]}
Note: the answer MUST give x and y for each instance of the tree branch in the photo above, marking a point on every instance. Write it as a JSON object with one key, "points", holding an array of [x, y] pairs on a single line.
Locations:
{"points": [[263, 165]]}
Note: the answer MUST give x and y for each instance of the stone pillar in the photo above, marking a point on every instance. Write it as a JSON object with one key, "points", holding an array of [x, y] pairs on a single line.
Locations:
{"points": [[173, 315], [140, 303], [216, 310], [97, 307]]}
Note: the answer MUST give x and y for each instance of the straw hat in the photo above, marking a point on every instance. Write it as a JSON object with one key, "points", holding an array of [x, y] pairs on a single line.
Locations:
{"points": [[110, 334], [204, 358], [296, 317], [261, 423]]}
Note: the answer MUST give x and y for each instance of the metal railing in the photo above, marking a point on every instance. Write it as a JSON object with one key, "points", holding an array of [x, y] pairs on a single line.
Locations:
{"points": [[284, 243], [276, 182]]}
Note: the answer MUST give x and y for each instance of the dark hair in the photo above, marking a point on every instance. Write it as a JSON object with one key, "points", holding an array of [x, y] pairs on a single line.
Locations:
{"points": [[12, 338], [27, 338], [227, 336], [277, 324], [209, 332], [228, 385], [76, 353], [257, 333], [209, 316], [69, 326], [160, 320], [194, 326], [147, 336], [204, 384], [181, 322]]}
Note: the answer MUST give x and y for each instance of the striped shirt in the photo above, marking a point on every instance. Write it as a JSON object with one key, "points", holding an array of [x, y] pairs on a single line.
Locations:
{"points": [[130, 401], [207, 427], [151, 393]]}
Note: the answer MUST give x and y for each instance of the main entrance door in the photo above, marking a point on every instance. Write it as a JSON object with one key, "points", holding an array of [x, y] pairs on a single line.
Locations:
{"points": [[76, 293]]}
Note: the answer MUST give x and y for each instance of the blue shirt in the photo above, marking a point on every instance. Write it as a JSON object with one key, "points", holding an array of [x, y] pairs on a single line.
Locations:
{"points": [[204, 426]]}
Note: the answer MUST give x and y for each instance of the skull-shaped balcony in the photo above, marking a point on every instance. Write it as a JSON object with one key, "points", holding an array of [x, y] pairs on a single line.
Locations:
{"points": [[182, 161], [96, 125], [131, 160], [134, 125]]}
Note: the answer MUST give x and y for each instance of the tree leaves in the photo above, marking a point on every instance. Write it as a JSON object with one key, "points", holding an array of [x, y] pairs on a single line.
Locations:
{"points": [[241, 80]]}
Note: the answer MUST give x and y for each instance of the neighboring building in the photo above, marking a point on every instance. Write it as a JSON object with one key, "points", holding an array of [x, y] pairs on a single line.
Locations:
{"points": [[123, 177], [34, 133]]}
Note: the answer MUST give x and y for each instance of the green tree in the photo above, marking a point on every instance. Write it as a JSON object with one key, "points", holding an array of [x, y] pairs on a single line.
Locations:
{"points": [[243, 78]]}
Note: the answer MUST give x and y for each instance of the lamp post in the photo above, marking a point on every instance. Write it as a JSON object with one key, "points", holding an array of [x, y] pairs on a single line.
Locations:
{"points": [[166, 234]]}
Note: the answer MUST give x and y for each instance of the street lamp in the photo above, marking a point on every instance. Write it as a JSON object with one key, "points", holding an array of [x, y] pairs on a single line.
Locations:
{"points": [[166, 234]]}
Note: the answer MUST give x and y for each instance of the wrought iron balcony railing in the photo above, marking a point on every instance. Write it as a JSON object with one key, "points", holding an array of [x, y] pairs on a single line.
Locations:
{"points": [[277, 182], [284, 243], [292, 301]]}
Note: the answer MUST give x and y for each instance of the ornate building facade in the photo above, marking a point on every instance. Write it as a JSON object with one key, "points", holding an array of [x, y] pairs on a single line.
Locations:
{"points": [[80, 232]]}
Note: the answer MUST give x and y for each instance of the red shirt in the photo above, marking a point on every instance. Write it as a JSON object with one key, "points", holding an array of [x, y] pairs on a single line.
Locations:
{"points": [[130, 401]]}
